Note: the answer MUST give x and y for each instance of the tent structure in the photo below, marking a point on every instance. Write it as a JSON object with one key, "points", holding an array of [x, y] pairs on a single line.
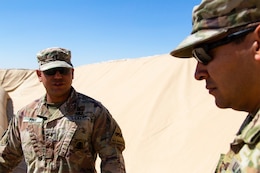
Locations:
{"points": [[169, 121]]}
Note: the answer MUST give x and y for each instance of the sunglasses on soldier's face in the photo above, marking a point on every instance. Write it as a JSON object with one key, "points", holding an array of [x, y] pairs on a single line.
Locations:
{"points": [[201, 53], [53, 71]]}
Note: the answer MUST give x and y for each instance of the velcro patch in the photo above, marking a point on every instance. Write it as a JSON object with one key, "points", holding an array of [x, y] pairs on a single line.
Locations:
{"points": [[117, 137], [32, 120]]}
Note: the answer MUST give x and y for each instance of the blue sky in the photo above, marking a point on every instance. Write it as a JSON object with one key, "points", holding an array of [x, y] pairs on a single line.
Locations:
{"points": [[94, 30]]}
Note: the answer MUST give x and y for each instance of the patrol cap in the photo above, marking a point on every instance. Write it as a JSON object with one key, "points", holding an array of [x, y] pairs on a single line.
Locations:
{"points": [[213, 19], [54, 57]]}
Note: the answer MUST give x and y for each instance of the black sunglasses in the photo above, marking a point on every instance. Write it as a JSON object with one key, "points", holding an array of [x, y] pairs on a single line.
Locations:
{"points": [[53, 71], [201, 53]]}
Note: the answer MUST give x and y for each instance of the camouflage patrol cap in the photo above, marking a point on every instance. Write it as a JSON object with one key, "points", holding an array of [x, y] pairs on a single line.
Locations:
{"points": [[54, 57], [213, 19]]}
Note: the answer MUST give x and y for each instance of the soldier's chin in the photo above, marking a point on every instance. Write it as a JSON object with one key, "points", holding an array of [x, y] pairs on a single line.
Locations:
{"points": [[221, 104]]}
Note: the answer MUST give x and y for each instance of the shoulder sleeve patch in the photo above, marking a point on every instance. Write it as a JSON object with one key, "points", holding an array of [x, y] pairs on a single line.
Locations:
{"points": [[117, 137]]}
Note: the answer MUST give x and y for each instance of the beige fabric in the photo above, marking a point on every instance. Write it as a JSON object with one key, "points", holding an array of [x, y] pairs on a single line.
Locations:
{"points": [[169, 121], [6, 110]]}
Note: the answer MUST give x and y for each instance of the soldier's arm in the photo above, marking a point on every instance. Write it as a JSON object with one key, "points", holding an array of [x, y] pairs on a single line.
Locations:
{"points": [[109, 143], [10, 147]]}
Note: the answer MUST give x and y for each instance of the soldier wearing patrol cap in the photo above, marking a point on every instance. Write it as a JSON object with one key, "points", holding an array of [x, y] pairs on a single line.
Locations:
{"points": [[63, 131], [225, 40]]}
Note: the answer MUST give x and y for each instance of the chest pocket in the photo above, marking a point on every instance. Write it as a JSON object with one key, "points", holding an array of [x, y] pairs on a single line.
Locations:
{"points": [[49, 137], [80, 141]]}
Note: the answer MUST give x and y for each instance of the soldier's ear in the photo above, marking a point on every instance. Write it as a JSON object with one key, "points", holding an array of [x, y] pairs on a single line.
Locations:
{"points": [[256, 44], [39, 74]]}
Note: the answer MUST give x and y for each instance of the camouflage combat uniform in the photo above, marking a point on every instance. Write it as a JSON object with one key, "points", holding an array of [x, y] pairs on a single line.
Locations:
{"points": [[67, 141], [244, 154]]}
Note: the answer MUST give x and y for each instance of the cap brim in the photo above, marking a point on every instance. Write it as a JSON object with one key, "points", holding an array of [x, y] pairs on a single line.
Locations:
{"points": [[54, 64], [184, 49]]}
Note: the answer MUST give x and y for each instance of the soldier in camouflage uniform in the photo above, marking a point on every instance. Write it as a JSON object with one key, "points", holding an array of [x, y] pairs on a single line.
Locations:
{"points": [[225, 40], [63, 131]]}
